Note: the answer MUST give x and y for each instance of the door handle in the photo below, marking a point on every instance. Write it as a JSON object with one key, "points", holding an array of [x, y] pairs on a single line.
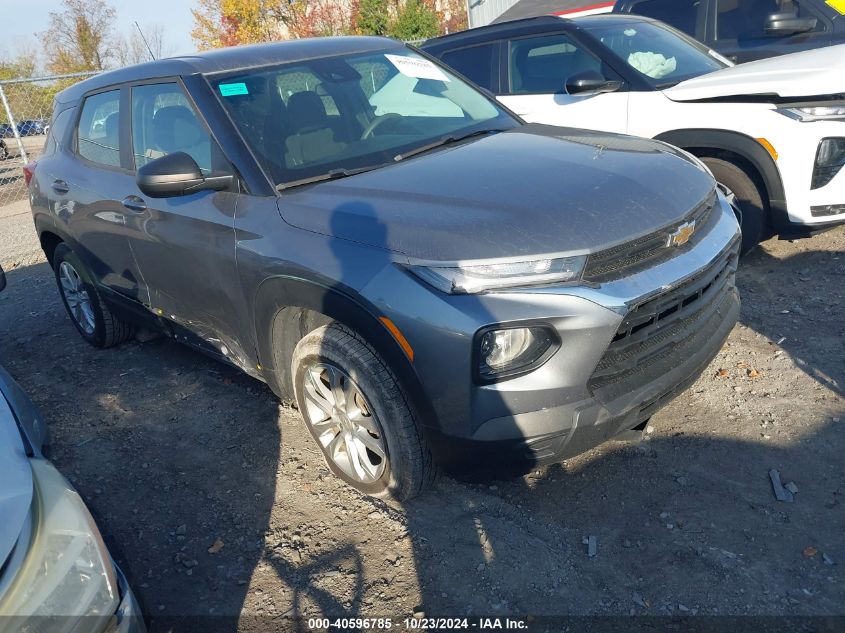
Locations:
{"points": [[134, 203], [60, 186]]}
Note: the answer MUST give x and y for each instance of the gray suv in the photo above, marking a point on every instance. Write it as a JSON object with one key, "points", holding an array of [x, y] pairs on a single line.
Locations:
{"points": [[430, 279]]}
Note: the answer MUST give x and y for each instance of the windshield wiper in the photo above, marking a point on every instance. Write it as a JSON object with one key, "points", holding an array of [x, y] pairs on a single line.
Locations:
{"points": [[451, 138], [332, 174]]}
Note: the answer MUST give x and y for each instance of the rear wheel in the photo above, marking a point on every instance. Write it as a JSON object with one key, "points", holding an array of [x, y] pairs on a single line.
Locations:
{"points": [[754, 221], [356, 412], [4, 153], [92, 318]]}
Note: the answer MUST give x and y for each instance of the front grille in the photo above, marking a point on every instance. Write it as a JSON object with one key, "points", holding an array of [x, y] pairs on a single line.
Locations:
{"points": [[631, 257], [662, 331]]}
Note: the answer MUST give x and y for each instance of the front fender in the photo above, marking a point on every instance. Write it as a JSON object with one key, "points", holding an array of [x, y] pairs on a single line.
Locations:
{"points": [[287, 307]]}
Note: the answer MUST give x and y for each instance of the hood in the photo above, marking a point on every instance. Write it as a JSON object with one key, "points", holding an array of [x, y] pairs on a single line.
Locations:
{"points": [[15, 481], [806, 74], [532, 190]]}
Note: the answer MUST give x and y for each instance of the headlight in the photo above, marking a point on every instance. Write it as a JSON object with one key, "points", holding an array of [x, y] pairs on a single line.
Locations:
{"points": [[67, 572], [475, 278], [815, 113], [505, 352]]}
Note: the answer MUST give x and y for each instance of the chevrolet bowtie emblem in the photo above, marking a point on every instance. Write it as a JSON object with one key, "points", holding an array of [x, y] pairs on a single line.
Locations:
{"points": [[682, 234]]}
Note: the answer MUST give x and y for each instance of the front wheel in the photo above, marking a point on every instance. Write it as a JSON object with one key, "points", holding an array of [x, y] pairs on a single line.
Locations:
{"points": [[356, 412], [92, 318], [754, 220]]}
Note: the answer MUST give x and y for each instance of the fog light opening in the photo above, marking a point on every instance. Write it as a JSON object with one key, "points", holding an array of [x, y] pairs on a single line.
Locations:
{"points": [[506, 352], [830, 158]]}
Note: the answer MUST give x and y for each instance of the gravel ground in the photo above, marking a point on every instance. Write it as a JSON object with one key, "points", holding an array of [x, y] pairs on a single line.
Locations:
{"points": [[214, 500]]}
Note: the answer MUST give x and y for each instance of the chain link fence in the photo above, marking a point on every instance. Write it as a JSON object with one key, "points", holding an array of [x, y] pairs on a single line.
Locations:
{"points": [[25, 109]]}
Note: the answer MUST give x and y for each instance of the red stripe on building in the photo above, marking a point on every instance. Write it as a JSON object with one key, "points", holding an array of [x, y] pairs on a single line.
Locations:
{"points": [[589, 7]]}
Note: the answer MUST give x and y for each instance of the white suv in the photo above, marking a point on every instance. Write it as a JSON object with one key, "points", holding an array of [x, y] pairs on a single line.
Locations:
{"points": [[772, 131]]}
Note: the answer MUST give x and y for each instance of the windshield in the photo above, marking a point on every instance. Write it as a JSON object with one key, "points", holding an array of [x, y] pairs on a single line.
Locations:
{"points": [[348, 113], [662, 55]]}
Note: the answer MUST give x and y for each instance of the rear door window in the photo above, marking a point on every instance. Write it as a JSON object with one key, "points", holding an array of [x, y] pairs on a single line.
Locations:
{"points": [[478, 63], [98, 132]]}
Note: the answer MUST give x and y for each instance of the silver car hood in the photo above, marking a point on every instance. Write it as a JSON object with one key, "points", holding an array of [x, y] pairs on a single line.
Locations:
{"points": [[15, 481]]}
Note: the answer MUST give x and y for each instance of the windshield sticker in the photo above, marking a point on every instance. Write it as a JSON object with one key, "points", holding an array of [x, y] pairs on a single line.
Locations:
{"points": [[232, 90], [839, 5], [417, 68]]}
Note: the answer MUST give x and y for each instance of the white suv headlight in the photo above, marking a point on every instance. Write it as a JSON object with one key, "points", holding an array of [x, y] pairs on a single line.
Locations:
{"points": [[67, 572], [474, 278], [816, 113]]}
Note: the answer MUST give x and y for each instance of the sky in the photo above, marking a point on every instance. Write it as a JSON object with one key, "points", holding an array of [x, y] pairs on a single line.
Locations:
{"points": [[20, 27]]}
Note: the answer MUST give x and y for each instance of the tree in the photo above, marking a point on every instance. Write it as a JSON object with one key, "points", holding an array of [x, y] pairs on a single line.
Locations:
{"points": [[415, 21], [232, 22], [21, 66], [80, 36], [316, 18], [373, 18], [133, 50], [453, 16]]}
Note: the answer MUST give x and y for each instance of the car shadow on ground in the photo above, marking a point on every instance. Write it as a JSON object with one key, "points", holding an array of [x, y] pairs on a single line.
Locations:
{"points": [[797, 304], [178, 458]]}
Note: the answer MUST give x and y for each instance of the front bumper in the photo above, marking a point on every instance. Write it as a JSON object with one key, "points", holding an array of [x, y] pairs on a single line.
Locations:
{"points": [[599, 383]]}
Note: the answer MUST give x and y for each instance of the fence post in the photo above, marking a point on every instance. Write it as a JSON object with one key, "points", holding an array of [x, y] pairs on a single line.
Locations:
{"points": [[14, 125]]}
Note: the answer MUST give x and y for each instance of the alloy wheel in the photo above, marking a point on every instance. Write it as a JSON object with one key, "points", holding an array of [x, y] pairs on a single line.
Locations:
{"points": [[344, 423], [77, 298]]}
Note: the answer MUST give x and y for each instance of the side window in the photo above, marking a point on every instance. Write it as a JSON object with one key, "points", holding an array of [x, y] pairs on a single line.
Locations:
{"points": [[478, 63], [58, 129], [682, 14], [163, 122], [743, 19], [543, 64], [98, 133]]}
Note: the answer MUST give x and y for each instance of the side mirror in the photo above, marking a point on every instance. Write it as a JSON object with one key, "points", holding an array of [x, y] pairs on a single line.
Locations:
{"points": [[590, 82], [788, 24], [177, 174], [2, 279]]}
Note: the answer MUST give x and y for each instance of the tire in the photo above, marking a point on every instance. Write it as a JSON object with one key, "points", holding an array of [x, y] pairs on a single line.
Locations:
{"points": [[96, 323], [4, 153], [755, 210], [383, 416]]}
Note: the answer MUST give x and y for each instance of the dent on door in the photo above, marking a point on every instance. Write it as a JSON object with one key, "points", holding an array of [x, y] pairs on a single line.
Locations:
{"points": [[186, 253]]}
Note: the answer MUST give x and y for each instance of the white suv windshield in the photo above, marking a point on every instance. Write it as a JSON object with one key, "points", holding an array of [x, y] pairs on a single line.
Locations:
{"points": [[661, 54], [341, 114]]}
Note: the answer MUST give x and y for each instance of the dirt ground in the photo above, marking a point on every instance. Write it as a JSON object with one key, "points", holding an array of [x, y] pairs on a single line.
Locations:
{"points": [[214, 500]]}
